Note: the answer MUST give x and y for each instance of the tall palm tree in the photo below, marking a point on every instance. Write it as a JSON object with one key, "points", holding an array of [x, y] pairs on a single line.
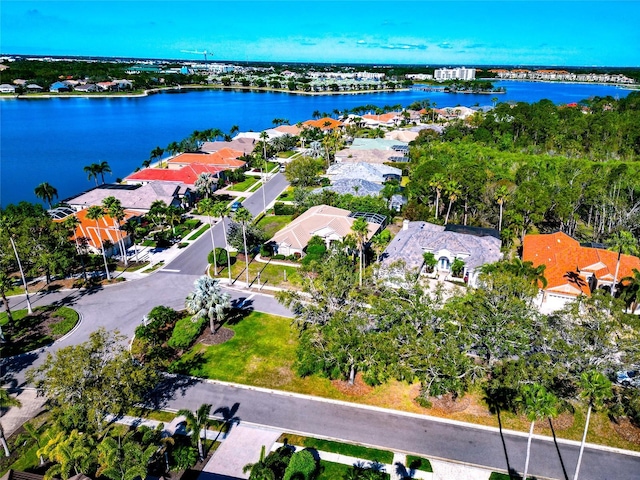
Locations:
{"points": [[222, 210], [243, 217], [197, 422], [71, 223], [501, 195], [92, 172], [537, 403], [234, 129], [437, 182], [208, 301], [46, 192], [6, 400], [9, 223], [631, 290], [114, 208], [360, 229], [156, 153], [206, 206], [95, 213], [595, 389], [102, 168], [452, 189]]}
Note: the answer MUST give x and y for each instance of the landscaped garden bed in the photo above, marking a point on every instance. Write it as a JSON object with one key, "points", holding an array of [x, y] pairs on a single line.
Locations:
{"points": [[30, 332]]}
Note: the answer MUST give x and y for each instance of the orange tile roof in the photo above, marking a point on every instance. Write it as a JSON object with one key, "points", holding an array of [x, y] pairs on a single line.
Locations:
{"points": [[321, 123], [385, 117], [225, 158], [87, 228], [568, 264], [187, 174]]}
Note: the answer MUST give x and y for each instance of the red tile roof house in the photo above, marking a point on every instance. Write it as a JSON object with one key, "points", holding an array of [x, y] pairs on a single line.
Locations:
{"points": [[329, 223], [226, 159], [88, 230], [186, 175], [326, 124], [572, 269]]}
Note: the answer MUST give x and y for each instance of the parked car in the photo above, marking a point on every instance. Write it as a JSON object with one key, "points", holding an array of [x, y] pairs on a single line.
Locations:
{"points": [[628, 378], [235, 206]]}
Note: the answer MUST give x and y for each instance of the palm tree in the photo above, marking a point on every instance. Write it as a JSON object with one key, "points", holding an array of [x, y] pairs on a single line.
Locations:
{"points": [[92, 172], [156, 153], [234, 129], [537, 403], [96, 212], [8, 223], [437, 183], [595, 389], [203, 184], [46, 192], [623, 241], [452, 189], [259, 470], [360, 229], [197, 422], [6, 400], [501, 195], [102, 168], [243, 217], [631, 290], [6, 284], [205, 206], [208, 301], [71, 223], [123, 458], [114, 208], [173, 216], [222, 210]]}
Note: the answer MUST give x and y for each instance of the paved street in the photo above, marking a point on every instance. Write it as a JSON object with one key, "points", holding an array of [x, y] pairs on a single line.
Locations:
{"points": [[123, 305]]}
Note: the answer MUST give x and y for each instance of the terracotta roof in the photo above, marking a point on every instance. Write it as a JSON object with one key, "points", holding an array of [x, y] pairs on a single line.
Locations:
{"points": [[87, 228], [320, 220], [290, 129], [225, 158], [384, 118], [187, 174], [320, 123], [569, 265]]}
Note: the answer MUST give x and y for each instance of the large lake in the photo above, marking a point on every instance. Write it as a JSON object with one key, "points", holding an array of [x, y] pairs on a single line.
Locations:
{"points": [[51, 140]]}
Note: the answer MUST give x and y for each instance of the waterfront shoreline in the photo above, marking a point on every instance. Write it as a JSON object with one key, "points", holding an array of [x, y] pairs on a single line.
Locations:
{"points": [[154, 91]]}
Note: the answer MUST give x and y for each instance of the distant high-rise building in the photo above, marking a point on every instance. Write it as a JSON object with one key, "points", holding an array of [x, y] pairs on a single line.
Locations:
{"points": [[460, 73]]}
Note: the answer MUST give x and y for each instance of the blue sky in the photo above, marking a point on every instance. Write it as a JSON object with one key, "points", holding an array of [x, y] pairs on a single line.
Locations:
{"points": [[418, 32]]}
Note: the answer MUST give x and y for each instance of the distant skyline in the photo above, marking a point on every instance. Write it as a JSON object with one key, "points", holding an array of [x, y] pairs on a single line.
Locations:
{"points": [[444, 32]]}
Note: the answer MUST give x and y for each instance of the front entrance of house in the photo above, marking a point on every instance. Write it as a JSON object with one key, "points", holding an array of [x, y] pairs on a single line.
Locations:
{"points": [[444, 264]]}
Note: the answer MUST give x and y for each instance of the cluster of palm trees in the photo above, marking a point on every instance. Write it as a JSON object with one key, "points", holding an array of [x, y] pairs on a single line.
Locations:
{"points": [[97, 169]]}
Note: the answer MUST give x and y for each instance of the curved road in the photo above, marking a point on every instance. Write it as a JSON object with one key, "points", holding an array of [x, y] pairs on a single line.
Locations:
{"points": [[122, 306]]}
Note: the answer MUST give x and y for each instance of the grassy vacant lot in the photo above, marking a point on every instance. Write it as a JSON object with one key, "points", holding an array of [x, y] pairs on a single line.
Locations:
{"points": [[271, 275], [272, 223], [30, 332], [263, 351]]}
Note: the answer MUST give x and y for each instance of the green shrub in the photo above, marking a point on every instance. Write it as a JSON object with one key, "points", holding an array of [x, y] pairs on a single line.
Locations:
{"points": [[182, 244], [318, 250], [279, 257], [265, 251], [283, 209], [192, 223], [185, 332], [221, 257], [183, 457], [302, 465]]}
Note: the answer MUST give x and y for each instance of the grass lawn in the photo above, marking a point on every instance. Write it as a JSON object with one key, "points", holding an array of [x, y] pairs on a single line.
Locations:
{"points": [[30, 332], [270, 274], [351, 450], [287, 195], [200, 231], [332, 471], [418, 463], [244, 185], [132, 266], [272, 223], [287, 154]]}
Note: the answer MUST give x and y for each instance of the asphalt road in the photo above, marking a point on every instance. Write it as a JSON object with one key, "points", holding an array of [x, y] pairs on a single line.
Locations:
{"points": [[122, 307]]}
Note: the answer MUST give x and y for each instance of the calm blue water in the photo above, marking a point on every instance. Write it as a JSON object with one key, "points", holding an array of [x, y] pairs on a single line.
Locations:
{"points": [[51, 140]]}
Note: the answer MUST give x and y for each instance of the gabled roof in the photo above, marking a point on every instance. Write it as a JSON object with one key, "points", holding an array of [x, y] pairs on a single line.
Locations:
{"points": [[569, 264], [225, 158], [133, 197], [360, 155], [288, 129], [353, 186], [320, 220], [372, 172], [88, 229], [187, 174], [419, 237], [384, 118], [243, 145]]}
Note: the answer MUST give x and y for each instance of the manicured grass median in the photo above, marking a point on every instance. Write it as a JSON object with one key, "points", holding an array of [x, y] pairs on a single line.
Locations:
{"points": [[200, 231], [356, 451]]}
